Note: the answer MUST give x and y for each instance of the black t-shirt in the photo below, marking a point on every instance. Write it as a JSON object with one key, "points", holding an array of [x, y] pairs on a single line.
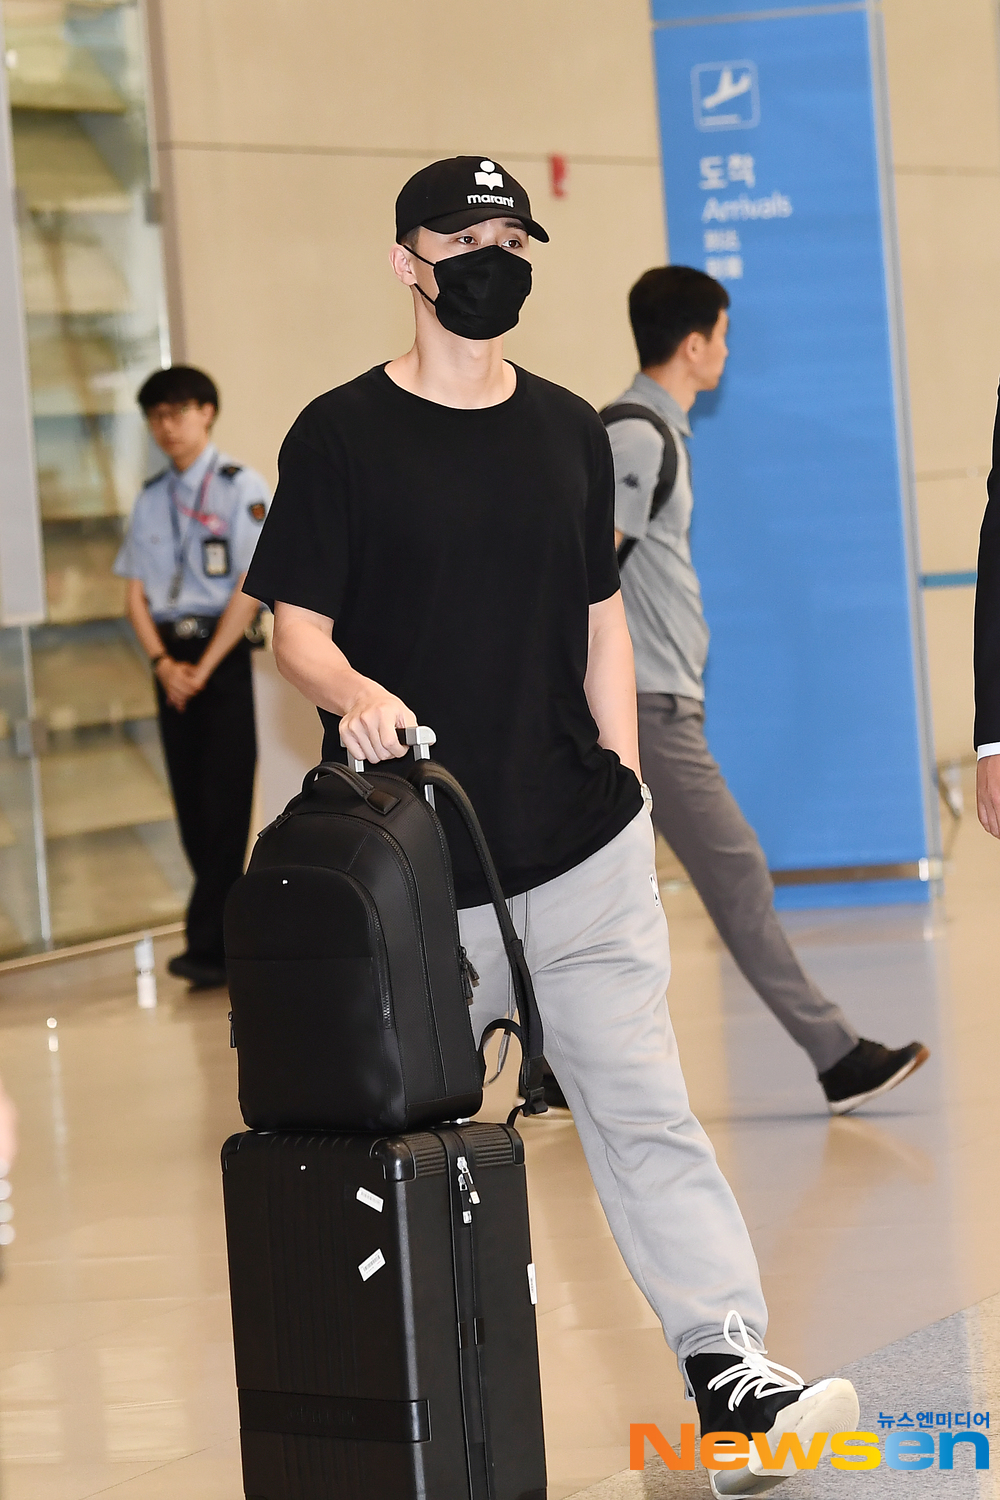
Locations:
{"points": [[457, 553]]}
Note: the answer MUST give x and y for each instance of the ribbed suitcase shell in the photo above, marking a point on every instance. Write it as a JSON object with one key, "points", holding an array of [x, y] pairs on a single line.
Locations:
{"points": [[385, 1347]]}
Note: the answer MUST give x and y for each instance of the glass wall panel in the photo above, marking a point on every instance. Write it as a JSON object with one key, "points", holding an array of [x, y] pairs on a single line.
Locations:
{"points": [[93, 292], [23, 915]]}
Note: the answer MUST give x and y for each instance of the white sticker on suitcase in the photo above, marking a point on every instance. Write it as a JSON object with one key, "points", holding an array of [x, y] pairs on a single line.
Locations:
{"points": [[371, 1199], [371, 1265], [532, 1285]]}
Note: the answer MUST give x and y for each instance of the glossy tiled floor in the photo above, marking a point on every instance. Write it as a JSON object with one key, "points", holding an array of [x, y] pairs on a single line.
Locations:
{"points": [[115, 1352]]}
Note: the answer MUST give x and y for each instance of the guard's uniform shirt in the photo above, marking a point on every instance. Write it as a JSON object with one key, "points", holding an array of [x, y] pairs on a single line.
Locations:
{"points": [[204, 524]]}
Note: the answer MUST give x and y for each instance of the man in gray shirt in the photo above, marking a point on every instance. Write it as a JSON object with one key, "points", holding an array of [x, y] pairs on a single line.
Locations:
{"points": [[680, 321]]}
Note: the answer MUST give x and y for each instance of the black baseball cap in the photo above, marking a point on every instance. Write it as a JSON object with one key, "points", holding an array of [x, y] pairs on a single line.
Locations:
{"points": [[462, 190]]}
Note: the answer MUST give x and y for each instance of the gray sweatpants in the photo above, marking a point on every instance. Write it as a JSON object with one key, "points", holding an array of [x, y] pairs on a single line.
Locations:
{"points": [[597, 947], [700, 819]]}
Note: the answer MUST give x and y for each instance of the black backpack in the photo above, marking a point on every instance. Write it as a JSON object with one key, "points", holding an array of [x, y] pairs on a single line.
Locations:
{"points": [[623, 411], [350, 989]]}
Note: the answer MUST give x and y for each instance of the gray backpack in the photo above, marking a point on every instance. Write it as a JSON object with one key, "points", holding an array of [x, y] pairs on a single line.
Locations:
{"points": [[624, 411]]}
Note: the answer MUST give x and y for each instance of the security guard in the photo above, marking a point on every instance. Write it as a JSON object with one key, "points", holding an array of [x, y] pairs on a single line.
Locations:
{"points": [[188, 547]]}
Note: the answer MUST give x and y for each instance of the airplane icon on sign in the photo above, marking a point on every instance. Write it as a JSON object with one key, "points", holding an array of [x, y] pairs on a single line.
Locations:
{"points": [[715, 85], [727, 89]]}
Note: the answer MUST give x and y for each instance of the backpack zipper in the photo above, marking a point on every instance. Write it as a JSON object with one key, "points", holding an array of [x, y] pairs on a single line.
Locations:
{"points": [[381, 959], [467, 971], [470, 975], [411, 885]]}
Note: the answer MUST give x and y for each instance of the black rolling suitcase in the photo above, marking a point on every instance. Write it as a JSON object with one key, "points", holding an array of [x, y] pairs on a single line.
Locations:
{"points": [[382, 1292]]}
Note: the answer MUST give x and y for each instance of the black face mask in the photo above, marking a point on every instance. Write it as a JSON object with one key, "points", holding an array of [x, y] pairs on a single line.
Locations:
{"points": [[480, 295]]}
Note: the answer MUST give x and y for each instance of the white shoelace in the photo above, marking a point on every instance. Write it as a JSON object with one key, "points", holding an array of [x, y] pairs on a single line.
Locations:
{"points": [[755, 1374]]}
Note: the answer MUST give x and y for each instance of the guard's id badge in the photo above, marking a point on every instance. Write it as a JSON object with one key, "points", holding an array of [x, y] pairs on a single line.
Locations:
{"points": [[215, 556]]}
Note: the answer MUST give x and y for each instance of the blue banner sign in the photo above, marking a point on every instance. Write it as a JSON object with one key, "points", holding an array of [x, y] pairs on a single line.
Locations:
{"points": [[802, 532]]}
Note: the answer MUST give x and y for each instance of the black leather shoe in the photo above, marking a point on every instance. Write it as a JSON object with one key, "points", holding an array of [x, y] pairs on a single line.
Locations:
{"points": [[200, 973], [868, 1070]]}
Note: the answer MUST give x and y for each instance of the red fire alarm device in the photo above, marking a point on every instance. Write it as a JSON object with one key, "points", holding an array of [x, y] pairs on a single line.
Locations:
{"points": [[558, 176]]}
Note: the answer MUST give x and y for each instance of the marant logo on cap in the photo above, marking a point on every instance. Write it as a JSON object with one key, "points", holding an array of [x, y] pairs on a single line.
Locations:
{"points": [[488, 177]]}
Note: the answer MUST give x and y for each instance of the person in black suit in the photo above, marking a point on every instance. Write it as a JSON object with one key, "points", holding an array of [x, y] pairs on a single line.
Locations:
{"points": [[986, 655]]}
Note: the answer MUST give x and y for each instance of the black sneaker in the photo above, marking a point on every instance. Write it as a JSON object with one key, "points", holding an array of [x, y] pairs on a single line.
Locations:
{"points": [[867, 1070], [201, 973], [749, 1393]]}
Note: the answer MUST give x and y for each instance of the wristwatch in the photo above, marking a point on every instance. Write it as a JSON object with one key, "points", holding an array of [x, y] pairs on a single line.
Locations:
{"points": [[647, 797]]}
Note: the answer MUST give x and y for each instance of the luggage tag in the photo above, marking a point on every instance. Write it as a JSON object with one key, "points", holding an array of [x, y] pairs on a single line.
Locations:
{"points": [[215, 556], [374, 1263]]}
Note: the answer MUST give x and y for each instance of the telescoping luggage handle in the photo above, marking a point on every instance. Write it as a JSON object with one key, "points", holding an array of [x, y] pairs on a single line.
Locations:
{"points": [[426, 775], [419, 738]]}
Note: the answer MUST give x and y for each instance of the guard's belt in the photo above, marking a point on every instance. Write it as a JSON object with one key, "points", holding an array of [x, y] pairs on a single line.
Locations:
{"points": [[189, 627]]}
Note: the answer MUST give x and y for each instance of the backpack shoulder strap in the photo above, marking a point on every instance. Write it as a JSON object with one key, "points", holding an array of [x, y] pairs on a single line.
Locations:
{"points": [[528, 1027], [624, 411]]}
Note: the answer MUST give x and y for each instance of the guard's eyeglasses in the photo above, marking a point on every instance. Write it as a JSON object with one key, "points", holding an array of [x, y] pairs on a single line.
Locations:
{"points": [[169, 411]]}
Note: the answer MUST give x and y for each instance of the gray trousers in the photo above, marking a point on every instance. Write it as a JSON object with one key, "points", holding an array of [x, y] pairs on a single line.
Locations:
{"points": [[698, 816], [597, 947]]}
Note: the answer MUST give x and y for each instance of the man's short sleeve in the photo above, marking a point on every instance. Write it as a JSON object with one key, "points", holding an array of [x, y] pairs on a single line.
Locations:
{"points": [[602, 565], [638, 455], [302, 554]]}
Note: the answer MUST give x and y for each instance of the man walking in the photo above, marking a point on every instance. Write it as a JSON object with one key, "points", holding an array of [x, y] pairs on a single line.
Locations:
{"points": [[190, 539], [441, 545], [679, 319]]}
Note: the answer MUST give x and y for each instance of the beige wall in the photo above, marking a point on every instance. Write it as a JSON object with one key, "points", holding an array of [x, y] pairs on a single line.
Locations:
{"points": [[285, 128], [945, 104]]}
